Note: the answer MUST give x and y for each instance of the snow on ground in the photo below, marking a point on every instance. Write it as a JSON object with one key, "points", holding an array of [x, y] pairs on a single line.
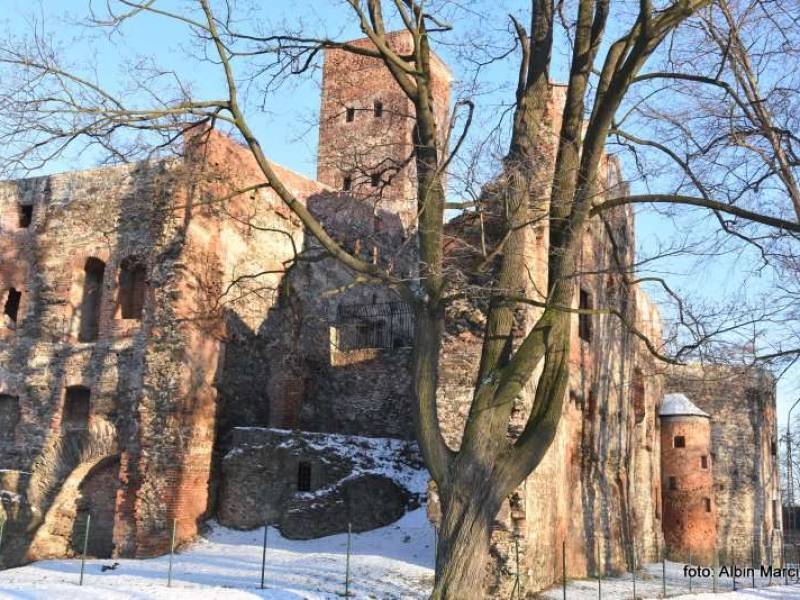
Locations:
{"points": [[392, 562], [650, 585]]}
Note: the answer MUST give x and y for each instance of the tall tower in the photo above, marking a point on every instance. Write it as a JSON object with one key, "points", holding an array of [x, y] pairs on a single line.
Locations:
{"points": [[690, 515], [366, 131]]}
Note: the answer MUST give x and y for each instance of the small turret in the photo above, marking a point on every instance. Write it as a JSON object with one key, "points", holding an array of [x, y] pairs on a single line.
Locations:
{"points": [[690, 519]]}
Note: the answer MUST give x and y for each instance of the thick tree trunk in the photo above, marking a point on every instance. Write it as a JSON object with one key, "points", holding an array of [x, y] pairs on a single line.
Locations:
{"points": [[468, 514]]}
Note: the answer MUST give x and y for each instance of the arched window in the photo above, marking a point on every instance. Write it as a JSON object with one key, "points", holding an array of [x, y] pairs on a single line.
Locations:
{"points": [[132, 286], [94, 270], [75, 416]]}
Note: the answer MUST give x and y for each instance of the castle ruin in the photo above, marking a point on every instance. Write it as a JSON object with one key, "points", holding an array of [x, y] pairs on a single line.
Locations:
{"points": [[176, 349]]}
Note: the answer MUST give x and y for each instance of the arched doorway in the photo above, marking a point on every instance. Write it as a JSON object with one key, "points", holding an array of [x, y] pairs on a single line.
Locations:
{"points": [[98, 498]]}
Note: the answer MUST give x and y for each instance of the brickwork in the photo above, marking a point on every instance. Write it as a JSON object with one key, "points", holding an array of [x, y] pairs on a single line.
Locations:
{"points": [[690, 514], [741, 402]]}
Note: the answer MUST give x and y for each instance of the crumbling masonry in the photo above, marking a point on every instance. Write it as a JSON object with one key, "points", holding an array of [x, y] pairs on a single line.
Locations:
{"points": [[169, 343]]}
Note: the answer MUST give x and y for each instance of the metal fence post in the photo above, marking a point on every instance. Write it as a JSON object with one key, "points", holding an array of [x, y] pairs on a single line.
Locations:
{"points": [[564, 567], [599, 574], [753, 562], [85, 546], [634, 571], [264, 555], [347, 562], [517, 582], [716, 567], [664, 572], [171, 552]]}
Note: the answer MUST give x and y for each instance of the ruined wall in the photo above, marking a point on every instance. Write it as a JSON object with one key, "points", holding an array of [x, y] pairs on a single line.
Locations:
{"points": [[172, 266], [741, 402]]}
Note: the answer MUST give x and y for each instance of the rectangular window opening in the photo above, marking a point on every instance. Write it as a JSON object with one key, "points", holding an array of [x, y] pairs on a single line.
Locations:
{"points": [[703, 462], [375, 180], [585, 320], [707, 503], [25, 215], [350, 114], [673, 483], [132, 286], [304, 476], [773, 448], [347, 183], [679, 442], [76, 408], [377, 109], [11, 308]]}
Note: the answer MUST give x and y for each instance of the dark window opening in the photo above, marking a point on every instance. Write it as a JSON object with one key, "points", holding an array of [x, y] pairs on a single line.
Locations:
{"points": [[375, 325], [679, 442], [377, 109], [703, 462], [773, 448], [350, 114], [25, 215], [375, 180], [132, 285], [9, 416], [11, 308], [94, 271], [673, 483], [638, 393], [707, 503], [347, 183], [304, 476], [585, 320], [76, 408]]}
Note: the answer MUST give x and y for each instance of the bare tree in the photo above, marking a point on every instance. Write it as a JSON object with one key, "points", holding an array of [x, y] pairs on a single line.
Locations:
{"points": [[48, 106]]}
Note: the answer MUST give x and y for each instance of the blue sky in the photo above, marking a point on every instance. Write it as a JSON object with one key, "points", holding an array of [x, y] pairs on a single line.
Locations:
{"points": [[286, 126]]}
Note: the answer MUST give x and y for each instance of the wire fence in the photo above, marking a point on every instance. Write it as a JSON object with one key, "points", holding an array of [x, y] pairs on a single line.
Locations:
{"points": [[343, 565], [256, 560]]}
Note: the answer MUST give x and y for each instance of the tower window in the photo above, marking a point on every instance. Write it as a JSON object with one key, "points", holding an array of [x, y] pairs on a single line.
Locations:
{"points": [[76, 408], [707, 503], [132, 284], [703, 462], [673, 483], [347, 183], [304, 476], [350, 114], [773, 448], [94, 270], [11, 308], [25, 215], [375, 180], [377, 109], [585, 320], [679, 441]]}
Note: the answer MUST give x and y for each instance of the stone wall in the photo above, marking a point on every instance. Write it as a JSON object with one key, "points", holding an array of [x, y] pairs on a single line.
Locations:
{"points": [[315, 484], [150, 378], [741, 402]]}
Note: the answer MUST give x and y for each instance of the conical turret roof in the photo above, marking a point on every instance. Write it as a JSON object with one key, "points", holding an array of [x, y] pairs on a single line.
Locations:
{"points": [[678, 405]]}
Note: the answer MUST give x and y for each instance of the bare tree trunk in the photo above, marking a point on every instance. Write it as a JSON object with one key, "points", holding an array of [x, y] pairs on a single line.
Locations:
{"points": [[468, 512]]}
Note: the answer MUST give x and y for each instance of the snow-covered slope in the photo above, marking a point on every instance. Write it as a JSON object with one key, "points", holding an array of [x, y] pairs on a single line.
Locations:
{"points": [[392, 562]]}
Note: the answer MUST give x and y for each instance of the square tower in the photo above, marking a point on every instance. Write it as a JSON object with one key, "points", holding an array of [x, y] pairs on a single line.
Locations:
{"points": [[366, 129]]}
